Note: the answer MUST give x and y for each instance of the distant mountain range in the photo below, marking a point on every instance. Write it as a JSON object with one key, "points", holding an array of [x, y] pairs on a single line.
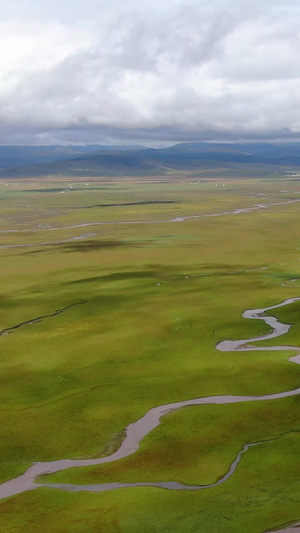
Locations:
{"points": [[99, 160], [16, 156]]}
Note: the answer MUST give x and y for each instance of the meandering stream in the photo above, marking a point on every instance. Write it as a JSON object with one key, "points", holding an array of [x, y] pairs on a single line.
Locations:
{"points": [[51, 243], [7, 331], [177, 219], [136, 431]]}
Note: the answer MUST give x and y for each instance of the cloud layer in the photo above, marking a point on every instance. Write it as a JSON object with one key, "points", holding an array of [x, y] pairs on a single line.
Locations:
{"points": [[160, 70]]}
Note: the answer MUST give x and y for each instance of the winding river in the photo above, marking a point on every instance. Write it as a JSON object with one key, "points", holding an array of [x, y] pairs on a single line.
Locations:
{"points": [[51, 243], [177, 219], [136, 431]]}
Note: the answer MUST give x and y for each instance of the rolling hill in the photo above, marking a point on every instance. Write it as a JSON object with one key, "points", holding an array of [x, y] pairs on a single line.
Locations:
{"points": [[138, 161]]}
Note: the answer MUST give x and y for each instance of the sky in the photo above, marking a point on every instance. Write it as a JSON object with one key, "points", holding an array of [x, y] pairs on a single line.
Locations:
{"points": [[149, 72]]}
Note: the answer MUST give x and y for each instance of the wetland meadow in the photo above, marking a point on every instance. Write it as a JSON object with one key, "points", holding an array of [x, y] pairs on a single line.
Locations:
{"points": [[118, 296]]}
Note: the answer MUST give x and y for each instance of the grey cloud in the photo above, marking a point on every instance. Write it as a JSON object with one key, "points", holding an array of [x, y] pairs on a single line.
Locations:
{"points": [[160, 71]]}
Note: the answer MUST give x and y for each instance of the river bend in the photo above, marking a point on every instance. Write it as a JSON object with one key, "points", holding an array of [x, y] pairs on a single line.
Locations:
{"points": [[136, 431]]}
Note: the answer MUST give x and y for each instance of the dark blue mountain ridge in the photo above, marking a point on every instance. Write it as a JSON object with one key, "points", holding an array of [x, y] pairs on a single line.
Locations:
{"points": [[190, 156]]}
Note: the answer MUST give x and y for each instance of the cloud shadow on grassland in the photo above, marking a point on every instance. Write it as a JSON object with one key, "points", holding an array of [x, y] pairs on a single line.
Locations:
{"points": [[159, 273], [141, 203], [79, 246]]}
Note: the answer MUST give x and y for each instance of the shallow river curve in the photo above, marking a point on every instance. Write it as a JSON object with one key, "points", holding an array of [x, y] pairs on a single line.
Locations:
{"points": [[136, 431]]}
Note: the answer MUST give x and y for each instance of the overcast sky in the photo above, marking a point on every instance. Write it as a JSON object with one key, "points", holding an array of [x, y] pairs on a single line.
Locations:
{"points": [[148, 71]]}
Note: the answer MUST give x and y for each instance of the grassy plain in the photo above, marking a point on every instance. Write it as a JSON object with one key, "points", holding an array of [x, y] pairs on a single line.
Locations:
{"points": [[155, 298]]}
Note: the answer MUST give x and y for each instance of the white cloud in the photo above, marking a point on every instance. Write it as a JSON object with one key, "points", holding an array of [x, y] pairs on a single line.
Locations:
{"points": [[159, 69]]}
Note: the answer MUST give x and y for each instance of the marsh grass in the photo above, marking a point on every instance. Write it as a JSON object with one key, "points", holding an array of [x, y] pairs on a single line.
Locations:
{"points": [[159, 298]]}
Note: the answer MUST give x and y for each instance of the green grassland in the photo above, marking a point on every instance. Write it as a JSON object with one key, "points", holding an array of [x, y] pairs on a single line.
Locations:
{"points": [[154, 300], [196, 443]]}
